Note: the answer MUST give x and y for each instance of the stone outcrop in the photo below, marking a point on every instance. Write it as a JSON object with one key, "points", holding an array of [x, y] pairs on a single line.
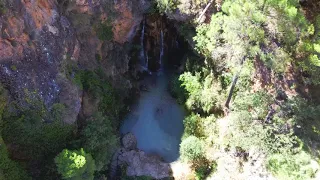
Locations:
{"points": [[129, 141], [137, 162], [140, 164]]}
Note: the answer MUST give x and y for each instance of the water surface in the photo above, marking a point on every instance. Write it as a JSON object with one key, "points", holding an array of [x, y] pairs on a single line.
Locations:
{"points": [[156, 119]]}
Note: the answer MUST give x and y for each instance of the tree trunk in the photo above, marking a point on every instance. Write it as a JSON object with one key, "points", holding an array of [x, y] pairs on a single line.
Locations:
{"points": [[204, 11], [234, 83]]}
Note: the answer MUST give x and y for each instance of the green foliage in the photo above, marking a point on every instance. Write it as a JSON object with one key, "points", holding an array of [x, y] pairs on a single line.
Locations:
{"points": [[104, 31], [75, 164], [11, 169], [3, 104], [205, 169], [306, 116], [36, 139], [295, 167], [38, 135], [250, 28], [166, 6], [3, 8], [193, 125], [57, 111], [96, 84], [192, 149], [204, 94], [177, 91], [99, 138], [256, 103], [245, 132]]}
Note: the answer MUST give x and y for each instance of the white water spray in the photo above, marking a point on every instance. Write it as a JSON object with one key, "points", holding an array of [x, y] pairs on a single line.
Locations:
{"points": [[142, 55]]}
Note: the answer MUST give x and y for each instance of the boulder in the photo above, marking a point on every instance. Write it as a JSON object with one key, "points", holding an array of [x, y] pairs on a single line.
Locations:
{"points": [[129, 141]]}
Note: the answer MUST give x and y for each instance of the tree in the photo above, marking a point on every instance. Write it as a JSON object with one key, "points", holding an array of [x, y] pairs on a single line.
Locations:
{"points": [[192, 149], [75, 164], [100, 140]]}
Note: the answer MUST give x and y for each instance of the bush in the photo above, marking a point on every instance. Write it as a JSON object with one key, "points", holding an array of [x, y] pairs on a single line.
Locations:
{"points": [[192, 149], [295, 167], [256, 103], [104, 31], [203, 171], [193, 125], [247, 133], [36, 140], [75, 165], [177, 91], [11, 170], [166, 6], [99, 138], [96, 84], [204, 94]]}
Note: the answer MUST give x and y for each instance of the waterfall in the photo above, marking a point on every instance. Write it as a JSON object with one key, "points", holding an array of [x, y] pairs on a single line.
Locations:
{"points": [[161, 49], [142, 55], [147, 59]]}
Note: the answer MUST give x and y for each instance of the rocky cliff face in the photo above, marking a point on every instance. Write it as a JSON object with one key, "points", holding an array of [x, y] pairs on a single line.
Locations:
{"points": [[40, 38]]}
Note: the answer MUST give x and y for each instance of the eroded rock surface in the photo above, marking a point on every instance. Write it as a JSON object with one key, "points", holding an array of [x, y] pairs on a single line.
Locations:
{"points": [[39, 39], [137, 162], [141, 164], [129, 141]]}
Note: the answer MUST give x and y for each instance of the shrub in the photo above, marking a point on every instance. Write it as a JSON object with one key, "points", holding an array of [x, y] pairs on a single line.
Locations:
{"points": [[295, 167], [205, 169], [256, 103], [177, 91], [75, 165], [205, 94], [11, 170], [36, 140], [104, 31], [3, 104], [99, 138], [192, 125], [247, 133], [192, 149], [166, 6], [96, 84]]}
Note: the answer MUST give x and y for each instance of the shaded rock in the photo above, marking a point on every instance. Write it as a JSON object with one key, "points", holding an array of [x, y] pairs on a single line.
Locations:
{"points": [[129, 141], [140, 164]]}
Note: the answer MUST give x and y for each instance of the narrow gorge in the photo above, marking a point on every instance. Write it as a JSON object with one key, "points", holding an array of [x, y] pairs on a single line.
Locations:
{"points": [[159, 89]]}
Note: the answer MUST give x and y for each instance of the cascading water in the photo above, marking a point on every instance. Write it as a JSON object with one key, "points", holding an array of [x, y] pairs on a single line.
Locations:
{"points": [[142, 51], [156, 119], [147, 59], [161, 49]]}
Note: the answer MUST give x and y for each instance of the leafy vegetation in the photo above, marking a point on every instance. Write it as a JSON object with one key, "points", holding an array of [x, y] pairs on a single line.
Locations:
{"points": [[75, 165], [166, 6], [104, 31], [296, 166], [9, 169], [247, 43], [191, 149], [99, 138]]}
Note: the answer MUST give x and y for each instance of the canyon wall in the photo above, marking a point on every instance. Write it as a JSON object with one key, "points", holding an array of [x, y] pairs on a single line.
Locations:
{"points": [[41, 40]]}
